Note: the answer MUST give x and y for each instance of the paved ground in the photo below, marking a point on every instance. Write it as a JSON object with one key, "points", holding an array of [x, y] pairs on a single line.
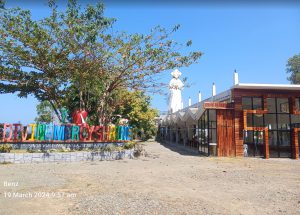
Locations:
{"points": [[166, 181]]}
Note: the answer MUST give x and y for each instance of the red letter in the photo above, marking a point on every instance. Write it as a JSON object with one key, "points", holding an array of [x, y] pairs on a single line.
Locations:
{"points": [[24, 133], [10, 132], [91, 130], [82, 127], [16, 130]]}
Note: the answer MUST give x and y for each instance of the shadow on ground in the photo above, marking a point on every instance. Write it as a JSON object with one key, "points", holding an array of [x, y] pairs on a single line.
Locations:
{"points": [[182, 150]]}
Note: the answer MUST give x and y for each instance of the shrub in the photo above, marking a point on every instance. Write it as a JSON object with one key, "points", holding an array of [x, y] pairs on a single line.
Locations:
{"points": [[110, 148], [5, 148], [5, 162], [30, 150], [129, 145]]}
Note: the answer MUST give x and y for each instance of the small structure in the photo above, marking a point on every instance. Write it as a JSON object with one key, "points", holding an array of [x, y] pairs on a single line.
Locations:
{"points": [[246, 120]]}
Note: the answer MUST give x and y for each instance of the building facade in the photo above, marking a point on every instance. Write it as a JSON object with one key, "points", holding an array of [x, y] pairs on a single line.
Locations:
{"points": [[260, 120]]}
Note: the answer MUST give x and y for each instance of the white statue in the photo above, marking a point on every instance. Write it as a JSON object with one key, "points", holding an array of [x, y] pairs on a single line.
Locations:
{"points": [[175, 86]]}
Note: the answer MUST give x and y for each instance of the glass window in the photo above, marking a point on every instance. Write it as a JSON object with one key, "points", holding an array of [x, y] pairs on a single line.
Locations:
{"points": [[205, 133], [283, 121], [295, 120], [278, 121], [284, 143], [257, 103], [248, 136], [283, 105], [254, 141], [212, 136], [252, 103], [270, 120], [284, 138], [271, 105], [249, 120], [213, 124], [205, 119], [247, 103], [258, 120], [212, 115], [273, 144], [208, 131], [273, 138], [202, 134], [194, 130], [297, 104], [259, 137], [255, 120]]}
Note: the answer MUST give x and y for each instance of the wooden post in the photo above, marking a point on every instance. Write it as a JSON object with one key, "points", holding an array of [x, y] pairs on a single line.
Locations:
{"points": [[238, 126], [295, 144], [266, 143]]}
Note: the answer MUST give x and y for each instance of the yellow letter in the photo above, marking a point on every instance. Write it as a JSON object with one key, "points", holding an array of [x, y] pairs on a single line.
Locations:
{"points": [[33, 126]]}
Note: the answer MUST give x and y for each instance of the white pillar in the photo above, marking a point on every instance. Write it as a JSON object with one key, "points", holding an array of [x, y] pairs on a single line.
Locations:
{"points": [[199, 97], [236, 78], [181, 105], [190, 101], [213, 89]]}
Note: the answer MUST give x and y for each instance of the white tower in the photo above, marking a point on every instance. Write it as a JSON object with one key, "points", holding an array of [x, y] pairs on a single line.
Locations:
{"points": [[214, 91], [199, 97], [236, 78], [175, 87]]}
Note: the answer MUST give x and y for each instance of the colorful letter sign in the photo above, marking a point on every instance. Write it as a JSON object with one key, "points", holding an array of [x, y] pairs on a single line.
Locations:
{"points": [[63, 132]]}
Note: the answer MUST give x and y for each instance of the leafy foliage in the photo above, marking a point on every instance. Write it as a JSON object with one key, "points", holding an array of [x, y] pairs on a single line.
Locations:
{"points": [[2, 4], [45, 112], [5, 148], [136, 108], [46, 57], [293, 68], [74, 57], [129, 145]]}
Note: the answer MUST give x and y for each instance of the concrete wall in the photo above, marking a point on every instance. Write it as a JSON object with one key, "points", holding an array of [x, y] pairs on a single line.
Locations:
{"points": [[65, 156], [73, 146]]}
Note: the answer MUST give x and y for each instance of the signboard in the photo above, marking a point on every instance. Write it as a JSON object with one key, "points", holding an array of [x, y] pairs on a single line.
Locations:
{"points": [[43, 132]]}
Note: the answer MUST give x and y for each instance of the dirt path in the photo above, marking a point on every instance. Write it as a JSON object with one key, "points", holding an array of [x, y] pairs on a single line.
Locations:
{"points": [[166, 181]]}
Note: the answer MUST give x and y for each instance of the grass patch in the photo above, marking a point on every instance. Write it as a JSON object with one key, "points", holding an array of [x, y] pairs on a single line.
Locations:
{"points": [[130, 145], [5, 148], [18, 151], [5, 163]]}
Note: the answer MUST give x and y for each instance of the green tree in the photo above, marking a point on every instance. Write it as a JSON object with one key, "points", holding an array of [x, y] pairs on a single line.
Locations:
{"points": [[45, 112], [135, 106], [46, 57], [2, 4], [293, 69], [72, 51]]}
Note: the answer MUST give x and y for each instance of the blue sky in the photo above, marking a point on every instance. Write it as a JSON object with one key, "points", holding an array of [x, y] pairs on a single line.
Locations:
{"points": [[254, 39]]}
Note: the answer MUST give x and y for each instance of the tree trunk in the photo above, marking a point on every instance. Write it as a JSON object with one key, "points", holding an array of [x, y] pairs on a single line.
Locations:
{"points": [[102, 109]]}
